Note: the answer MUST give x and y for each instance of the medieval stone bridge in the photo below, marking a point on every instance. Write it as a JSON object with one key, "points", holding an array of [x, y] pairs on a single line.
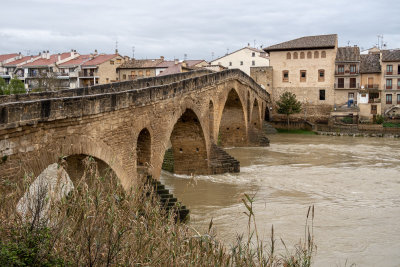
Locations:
{"points": [[130, 125]]}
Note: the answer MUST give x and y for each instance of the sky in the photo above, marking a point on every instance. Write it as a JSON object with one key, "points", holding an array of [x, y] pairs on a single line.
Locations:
{"points": [[201, 29]]}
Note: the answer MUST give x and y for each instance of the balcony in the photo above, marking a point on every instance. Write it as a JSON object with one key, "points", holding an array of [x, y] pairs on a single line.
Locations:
{"points": [[346, 72], [374, 100], [347, 86], [87, 74], [392, 73], [371, 86], [392, 87]]}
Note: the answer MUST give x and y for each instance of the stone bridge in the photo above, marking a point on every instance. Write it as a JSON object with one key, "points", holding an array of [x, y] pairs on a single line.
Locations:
{"points": [[130, 125]]}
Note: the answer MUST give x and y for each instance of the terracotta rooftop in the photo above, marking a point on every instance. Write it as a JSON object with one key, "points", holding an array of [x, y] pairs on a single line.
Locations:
{"points": [[76, 61], [7, 56], [307, 42], [47, 62], [166, 64], [19, 61], [99, 59], [141, 63], [348, 53], [176, 68], [391, 55], [192, 62], [370, 63]]}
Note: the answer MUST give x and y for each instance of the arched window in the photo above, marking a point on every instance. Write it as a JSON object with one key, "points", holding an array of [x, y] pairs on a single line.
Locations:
{"points": [[323, 54], [288, 55], [295, 56], [316, 54], [309, 54], [302, 55]]}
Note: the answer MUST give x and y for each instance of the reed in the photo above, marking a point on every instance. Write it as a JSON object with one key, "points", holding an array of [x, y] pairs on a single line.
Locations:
{"points": [[100, 224]]}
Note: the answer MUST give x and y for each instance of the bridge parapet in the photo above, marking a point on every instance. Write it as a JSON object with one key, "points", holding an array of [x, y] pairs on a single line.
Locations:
{"points": [[50, 108]]}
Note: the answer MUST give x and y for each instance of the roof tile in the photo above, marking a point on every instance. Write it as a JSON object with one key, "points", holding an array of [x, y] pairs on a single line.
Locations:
{"points": [[307, 42]]}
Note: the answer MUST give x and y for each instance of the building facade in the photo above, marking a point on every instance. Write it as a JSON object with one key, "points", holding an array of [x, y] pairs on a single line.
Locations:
{"points": [[243, 59], [305, 67], [390, 60]]}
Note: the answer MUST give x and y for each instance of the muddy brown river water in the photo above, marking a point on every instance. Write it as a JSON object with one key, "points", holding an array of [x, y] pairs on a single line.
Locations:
{"points": [[354, 183]]}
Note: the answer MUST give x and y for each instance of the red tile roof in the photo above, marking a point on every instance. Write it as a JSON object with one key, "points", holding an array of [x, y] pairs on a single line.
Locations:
{"points": [[76, 61], [171, 70], [47, 62], [19, 61], [99, 59], [166, 64], [192, 62], [7, 56]]}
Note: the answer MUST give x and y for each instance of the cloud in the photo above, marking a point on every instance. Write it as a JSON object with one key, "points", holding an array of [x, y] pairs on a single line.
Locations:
{"points": [[197, 28]]}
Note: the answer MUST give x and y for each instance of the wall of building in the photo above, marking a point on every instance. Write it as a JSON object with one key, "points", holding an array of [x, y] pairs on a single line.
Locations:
{"points": [[262, 76], [244, 55], [395, 76], [150, 72], [107, 72]]}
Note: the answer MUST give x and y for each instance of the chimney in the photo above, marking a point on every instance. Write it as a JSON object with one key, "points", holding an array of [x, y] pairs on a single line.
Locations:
{"points": [[58, 57], [162, 58], [176, 61], [95, 52], [116, 51]]}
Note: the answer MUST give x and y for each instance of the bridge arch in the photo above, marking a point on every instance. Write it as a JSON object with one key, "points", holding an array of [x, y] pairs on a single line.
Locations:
{"points": [[232, 126], [143, 151], [188, 145]]}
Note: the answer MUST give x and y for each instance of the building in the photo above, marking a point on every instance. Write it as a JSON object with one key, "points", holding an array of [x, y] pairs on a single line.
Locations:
{"points": [[70, 69], [305, 67], [139, 68], [13, 68], [43, 72], [243, 59], [5, 59], [390, 60], [347, 76], [369, 95], [100, 69]]}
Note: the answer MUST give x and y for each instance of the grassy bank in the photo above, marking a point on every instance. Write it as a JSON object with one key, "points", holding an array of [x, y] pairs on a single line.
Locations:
{"points": [[295, 131], [100, 224]]}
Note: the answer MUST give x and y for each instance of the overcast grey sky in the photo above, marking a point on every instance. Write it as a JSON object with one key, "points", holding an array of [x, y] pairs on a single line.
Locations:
{"points": [[172, 28]]}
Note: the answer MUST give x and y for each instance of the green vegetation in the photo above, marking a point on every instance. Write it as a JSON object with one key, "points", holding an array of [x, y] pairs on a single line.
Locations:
{"points": [[391, 124], [288, 104], [379, 119], [100, 224], [347, 120], [16, 86], [295, 131]]}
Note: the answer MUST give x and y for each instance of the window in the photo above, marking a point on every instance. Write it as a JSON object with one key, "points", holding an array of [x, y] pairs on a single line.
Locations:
{"points": [[316, 54], [295, 56], [389, 69], [351, 96], [124, 77], [340, 83], [398, 84], [352, 69], [309, 54], [340, 69], [398, 98], [230, 63], [140, 73], [321, 75], [285, 76], [241, 63], [107, 80], [323, 54], [322, 94], [303, 75], [353, 83], [147, 72], [302, 55], [253, 54], [389, 99], [374, 109], [388, 83], [111, 62], [253, 63], [288, 55], [118, 61]]}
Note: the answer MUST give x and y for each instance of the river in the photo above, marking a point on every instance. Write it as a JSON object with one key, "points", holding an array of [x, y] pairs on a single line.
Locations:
{"points": [[353, 182]]}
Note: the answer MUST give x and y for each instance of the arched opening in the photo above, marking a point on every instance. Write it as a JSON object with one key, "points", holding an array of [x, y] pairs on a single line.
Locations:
{"points": [[255, 116], [295, 55], [143, 151], [323, 54], [302, 55], [189, 150], [232, 129], [316, 54], [288, 55], [266, 114], [211, 119]]}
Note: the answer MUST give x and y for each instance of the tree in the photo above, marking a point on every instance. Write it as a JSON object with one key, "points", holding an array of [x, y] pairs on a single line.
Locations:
{"points": [[16, 86], [3, 86], [288, 104]]}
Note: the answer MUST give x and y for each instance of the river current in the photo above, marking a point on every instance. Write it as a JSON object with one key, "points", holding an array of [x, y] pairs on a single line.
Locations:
{"points": [[353, 183]]}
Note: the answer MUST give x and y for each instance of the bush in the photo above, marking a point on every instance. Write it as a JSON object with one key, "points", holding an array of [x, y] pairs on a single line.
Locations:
{"points": [[347, 120], [379, 119]]}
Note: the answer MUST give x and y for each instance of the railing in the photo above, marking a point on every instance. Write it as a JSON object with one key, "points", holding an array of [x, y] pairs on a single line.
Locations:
{"points": [[347, 86], [87, 74], [347, 72], [392, 87], [393, 72], [371, 86], [374, 100]]}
